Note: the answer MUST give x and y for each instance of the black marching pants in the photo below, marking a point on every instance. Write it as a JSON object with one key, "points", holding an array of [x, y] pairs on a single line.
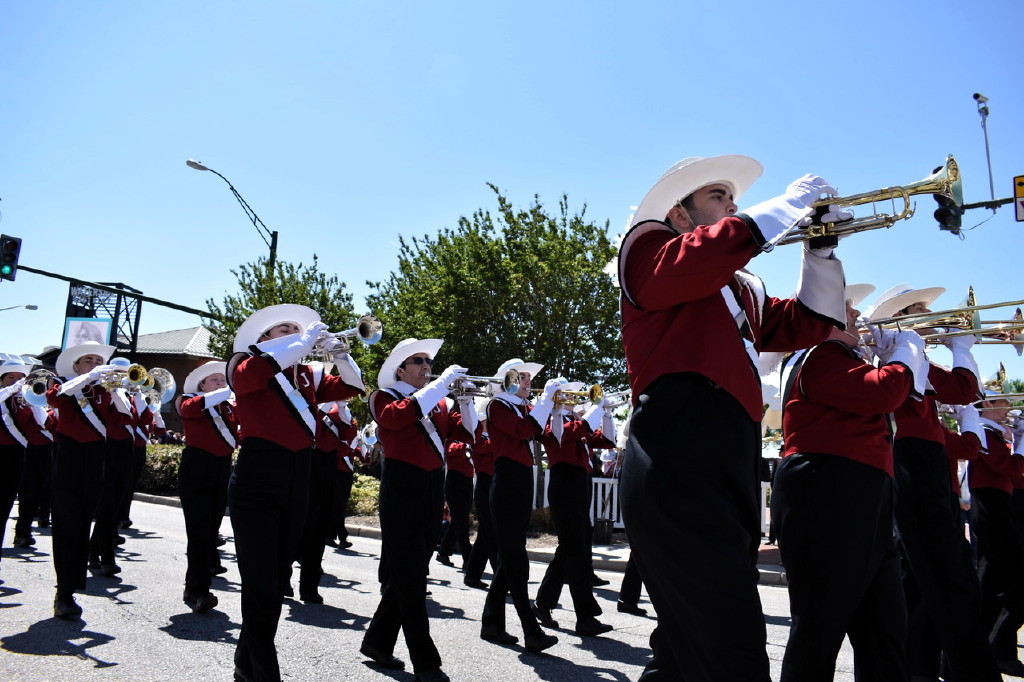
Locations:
{"points": [[511, 505], [138, 463], [458, 493], [323, 468], [1000, 568], [484, 547], [267, 497], [35, 479], [690, 486], [342, 494], [12, 460], [834, 522], [117, 469], [411, 502], [631, 583], [203, 489], [569, 493], [945, 596], [77, 477]]}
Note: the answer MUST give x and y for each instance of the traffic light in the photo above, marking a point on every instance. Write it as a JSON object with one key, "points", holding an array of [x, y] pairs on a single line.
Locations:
{"points": [[948, 214], [10, 249]]}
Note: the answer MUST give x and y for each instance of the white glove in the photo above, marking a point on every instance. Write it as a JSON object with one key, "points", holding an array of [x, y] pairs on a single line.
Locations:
{"points": [[214, 398], [331, 344], [288, 350], [140, 401], [98, 371], [960, 347], [313, 333], [546, 402], [7, 391], [885, 341], [776, 217], [969, 420], [909, 352], [594, 416], [453, 373], [834, 214], [78, 383]]}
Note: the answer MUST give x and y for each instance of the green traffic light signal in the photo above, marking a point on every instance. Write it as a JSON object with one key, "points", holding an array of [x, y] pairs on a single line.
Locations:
{"points": [[10, 249]]}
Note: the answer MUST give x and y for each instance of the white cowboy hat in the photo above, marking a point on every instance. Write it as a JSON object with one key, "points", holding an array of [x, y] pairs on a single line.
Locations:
{"points": [[899, 297], [267, 318], [689, 175], [518, 365], [14, 366], [855, 293], [196, 376], [65, 364], [405, 349]]}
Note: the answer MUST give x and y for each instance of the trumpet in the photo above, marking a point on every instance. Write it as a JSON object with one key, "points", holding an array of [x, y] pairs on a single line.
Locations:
{"points": [[477, 387], [135, 373], [158, 388], [594, 395], [33, 391], [617, 399], [946, 181], [368, 329]]}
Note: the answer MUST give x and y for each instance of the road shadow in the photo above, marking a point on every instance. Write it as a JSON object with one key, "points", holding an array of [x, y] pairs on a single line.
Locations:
{"points": [[784, 621], [112, 588], [549, 667], [324, 616], [212, 626], [57, 637]]}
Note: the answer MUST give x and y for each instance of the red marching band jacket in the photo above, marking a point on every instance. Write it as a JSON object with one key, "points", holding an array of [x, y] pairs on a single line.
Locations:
{"points": [[920, 418], [348, 451], [577, 441], [839, 405], [511, 431], [72, 419], [673, 310], [404, 437], [483, 453], [995, 469], [201, 426], [24, 420], [281, 406]]}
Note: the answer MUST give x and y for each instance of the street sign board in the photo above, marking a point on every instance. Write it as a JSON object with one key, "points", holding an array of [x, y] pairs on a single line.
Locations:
{"points": [[1018, 197]]}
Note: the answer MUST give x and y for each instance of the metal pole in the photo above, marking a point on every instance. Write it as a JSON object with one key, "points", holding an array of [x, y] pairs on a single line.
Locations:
{"points": [[983, 112]]}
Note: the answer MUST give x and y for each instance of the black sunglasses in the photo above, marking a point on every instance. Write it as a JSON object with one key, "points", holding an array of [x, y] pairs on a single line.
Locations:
{"points": [[418, 361]]}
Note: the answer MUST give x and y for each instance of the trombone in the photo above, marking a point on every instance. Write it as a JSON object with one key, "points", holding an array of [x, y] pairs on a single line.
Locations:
{"points": [[945, 181], [617, 399]]}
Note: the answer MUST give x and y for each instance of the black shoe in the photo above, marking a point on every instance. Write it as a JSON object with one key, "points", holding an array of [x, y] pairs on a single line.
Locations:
{"points": [[126, 523], [23, 541], [66, 607], [199, 601], [538, 643], [544, 616], [109, 570], [597, 581], [219, 569], [445, 559], [475, 582], [42, 523], [1011, 667], [287, 591], [220, 542], [380, 658], [591, 627], [345, 544], [492, 633], [431, 676], [120, 540], [626, 607], [331, 543], [311, 597]]}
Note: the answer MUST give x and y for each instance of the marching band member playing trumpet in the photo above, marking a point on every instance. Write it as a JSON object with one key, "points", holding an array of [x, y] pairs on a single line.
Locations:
{"points": [[211, 433], [276, 405], [1000, 553], [12, 440], [349, 451], [567, 440], [945, 589], [414, 420], [689, 312], [513, 425], [832, 505], [85, 416], [35, 422], [484, 547]]}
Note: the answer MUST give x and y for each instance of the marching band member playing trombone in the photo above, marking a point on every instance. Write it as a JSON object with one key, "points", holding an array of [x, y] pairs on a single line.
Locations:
{"points": [[945, 590], [277, 402], [689, 312], [12, 441], [211, 433], [567, 440], [415, 419], [85, 416], [34, 422]]}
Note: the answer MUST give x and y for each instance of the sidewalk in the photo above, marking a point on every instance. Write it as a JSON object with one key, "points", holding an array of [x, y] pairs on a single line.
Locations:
{"points": [[606, 557]]}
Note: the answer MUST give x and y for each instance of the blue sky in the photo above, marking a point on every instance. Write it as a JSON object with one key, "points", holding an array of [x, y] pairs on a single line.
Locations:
{"points": [[345, 125]]}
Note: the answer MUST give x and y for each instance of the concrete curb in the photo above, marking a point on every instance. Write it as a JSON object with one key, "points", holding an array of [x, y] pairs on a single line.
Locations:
{"points": [[606, 557]]}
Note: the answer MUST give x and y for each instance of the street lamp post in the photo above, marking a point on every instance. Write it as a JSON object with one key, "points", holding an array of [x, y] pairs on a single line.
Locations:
{"points": [[257, 223], [28, 306]]}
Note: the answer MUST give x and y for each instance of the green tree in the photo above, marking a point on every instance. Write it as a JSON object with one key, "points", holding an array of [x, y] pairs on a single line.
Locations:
{"points": [[261, 286], [519, 283]]}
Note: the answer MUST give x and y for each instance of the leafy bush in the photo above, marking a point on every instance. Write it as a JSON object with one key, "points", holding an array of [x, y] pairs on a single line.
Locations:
{"points": [[365, 492], [160, 475]]}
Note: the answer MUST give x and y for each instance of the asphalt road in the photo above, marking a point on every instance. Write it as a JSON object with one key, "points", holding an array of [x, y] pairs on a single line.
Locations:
{"points": [[135, 626]]}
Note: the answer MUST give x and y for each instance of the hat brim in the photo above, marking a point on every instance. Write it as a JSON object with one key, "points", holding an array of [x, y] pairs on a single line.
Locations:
{"points": [[196, 376], [892, 306], [386, 376], [855, 293], [65, 364], [255, 325], [21, 369], [533, 368], [689, 175]]}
